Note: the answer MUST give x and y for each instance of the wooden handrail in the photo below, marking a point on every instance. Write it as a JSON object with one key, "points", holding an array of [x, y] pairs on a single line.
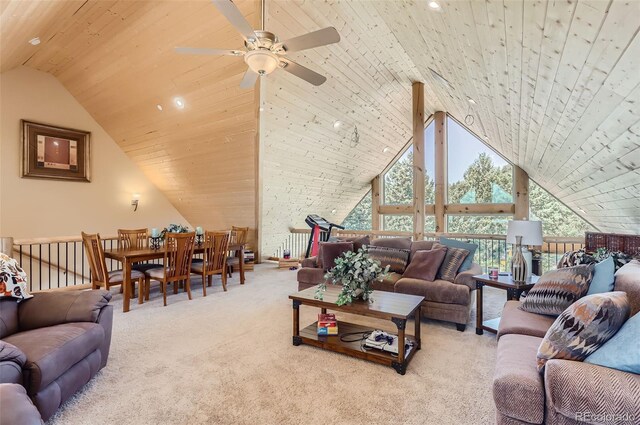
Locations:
{"points": [[546, 239], [56, 239]]}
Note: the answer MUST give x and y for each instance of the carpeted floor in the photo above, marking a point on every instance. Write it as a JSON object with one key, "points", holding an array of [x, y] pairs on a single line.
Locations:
{"points": [[228, 359]]}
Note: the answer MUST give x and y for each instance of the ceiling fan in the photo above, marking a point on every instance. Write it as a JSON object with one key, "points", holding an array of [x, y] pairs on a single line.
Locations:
{"points": [[264, 52]]}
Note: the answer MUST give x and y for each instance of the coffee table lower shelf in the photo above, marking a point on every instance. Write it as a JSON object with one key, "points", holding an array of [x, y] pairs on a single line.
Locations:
{"points": [[309, 336]]}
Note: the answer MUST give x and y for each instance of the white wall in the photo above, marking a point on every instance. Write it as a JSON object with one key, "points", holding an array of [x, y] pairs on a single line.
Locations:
{"points": [[45, 208]]}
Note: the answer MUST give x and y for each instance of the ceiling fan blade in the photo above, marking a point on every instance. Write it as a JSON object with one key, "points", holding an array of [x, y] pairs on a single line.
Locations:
{"points": [[318, 38], [205, 51], [303, 72], [249, 79], [233, 15]]}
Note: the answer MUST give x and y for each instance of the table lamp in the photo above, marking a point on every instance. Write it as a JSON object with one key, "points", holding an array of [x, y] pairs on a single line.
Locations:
{"points": [[523, 233]]}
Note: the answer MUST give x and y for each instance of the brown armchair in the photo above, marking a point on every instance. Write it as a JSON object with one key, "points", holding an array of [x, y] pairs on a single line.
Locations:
{"points": [[54, 343]]}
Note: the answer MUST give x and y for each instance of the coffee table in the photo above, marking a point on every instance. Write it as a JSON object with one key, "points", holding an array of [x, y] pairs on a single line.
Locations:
{"points": [[514, 291], [386, 305]]}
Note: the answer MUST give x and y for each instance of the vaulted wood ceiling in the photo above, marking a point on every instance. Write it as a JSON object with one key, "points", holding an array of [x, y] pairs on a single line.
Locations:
{"points": [[556, 85], [117, 59]]}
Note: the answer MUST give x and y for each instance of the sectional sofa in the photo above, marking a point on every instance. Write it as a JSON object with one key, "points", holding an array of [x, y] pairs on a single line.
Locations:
{"points": [[569, 392]]}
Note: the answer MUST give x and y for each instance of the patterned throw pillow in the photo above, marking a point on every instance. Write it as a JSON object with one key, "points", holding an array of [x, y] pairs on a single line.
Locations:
{"points": [[451, 263], [395, 258], [583, 327], [13, 280], [558, 289]]}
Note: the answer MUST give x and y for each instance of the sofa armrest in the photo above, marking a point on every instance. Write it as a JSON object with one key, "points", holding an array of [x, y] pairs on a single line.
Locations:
{"points": [[466, 277], [576, 389], [12, 359], [311, 262], [17, 407], [55, 308]]}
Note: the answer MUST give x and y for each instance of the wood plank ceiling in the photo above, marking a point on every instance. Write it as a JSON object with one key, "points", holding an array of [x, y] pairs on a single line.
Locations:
{"points": [[117, 59], [556, 85]]}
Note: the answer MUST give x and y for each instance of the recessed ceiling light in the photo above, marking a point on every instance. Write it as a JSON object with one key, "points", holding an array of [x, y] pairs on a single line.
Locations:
{"points": [[486, 138], [471, 101], [34, 41], [333, 211], [159, 106], [179, 103], [261, 109], [337, 124], [386, 149], [434, 5]]}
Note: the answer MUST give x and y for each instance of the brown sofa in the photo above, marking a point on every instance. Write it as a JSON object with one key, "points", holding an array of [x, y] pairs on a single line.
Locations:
{"points": [[568, 391], [450, 302], [53, 344]]}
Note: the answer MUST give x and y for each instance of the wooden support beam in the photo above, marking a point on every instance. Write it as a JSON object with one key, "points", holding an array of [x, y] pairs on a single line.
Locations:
{"points": [[375, 203], [440, 122], [396, 209], [479, 208], [521, 193], [418, 161]]}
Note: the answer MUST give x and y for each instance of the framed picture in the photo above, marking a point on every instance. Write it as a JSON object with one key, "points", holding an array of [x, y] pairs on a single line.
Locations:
{"points": [[50, 152]]}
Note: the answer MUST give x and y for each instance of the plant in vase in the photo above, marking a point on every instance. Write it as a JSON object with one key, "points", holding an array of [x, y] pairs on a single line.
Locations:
{"points": [[355, 271], [174, 228]]}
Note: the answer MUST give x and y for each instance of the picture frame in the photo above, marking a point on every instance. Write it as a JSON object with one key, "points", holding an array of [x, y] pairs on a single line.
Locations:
{"points": [[51, 152]]}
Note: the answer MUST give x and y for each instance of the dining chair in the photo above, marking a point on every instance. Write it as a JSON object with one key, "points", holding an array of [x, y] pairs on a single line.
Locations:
{"points": [[100, 275], [216, 245], [178, 253], [136, 239], [239, 236]]}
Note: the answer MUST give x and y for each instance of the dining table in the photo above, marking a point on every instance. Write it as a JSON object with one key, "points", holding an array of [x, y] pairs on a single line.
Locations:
{"points": [[130, 256]]}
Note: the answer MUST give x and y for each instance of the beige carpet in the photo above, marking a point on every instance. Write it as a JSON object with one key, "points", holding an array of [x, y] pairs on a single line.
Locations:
{"points": [[228, 359]]}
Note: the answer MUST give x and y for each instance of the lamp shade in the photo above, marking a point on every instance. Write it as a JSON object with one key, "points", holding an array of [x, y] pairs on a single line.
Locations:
{"points": [[531, 232], [261, 61]]}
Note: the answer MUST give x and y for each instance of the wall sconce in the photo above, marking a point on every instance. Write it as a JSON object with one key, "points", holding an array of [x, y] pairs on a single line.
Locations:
{"points": [[135, 198]]}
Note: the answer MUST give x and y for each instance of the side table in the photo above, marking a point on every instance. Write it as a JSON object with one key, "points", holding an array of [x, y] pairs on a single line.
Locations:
{"points": [[514, 291]]}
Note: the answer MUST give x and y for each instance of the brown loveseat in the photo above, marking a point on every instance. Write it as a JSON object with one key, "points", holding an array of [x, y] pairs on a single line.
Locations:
{"points": [[444, 300], [569, 392], [53, 344]]}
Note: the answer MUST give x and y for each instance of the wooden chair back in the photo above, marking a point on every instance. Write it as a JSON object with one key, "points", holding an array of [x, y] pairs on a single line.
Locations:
{"points": [[132, 239], [216, 245], [178, 254], [96, 258], [239, 235]]}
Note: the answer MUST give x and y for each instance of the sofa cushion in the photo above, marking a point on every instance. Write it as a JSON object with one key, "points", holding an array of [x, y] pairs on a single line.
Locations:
{"points": [[471, 247], [397, 243], [425, 264], [358, 242], [595, 392], [622, 351], [420, 246], [451, 263], [386, 284], [440, 291], [558, 289], [395, 258], [332, 250], [628, 280], [583, 327], [13, 280], [310, 275], [603, 277], [518, 389], [51, 351], [516, 321], [8, 316]]}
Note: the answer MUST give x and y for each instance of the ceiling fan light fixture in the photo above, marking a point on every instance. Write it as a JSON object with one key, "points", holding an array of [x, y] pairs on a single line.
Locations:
{"points": [[434, 5], [262, 62]]}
